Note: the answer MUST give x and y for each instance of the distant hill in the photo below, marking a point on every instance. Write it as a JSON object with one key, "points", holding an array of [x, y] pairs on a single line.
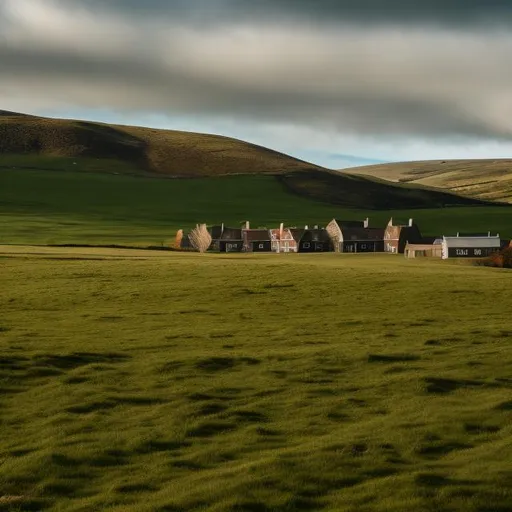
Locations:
{"points": [[163, 152], [482, 179], [49, 144]]}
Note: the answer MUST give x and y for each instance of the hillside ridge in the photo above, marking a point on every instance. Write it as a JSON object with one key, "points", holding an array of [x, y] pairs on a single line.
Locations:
{"points": [[487, 179], [32, 142], [163, 152]]}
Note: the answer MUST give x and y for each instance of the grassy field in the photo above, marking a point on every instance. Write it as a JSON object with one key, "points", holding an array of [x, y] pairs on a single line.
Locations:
{"points": [[484, 179], [143, 381], [45, 207]]}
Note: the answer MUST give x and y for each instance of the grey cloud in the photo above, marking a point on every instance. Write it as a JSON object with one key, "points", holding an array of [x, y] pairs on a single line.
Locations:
{"points": [[454, 12], [371, 81]]}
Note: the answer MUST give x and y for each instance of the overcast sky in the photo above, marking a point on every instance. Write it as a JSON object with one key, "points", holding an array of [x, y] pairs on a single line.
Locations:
{"points": [[338, 82]]}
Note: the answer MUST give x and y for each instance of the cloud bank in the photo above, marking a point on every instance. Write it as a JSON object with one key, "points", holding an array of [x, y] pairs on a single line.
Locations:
{"points": [[369, 68]]}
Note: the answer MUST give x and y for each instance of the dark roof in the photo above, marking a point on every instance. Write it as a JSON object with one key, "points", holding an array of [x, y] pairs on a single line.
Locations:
{"points": [[316, 235], [257, 235], [231, 234], [215, 232], [350, 223], [486, 234], [297, 233], [363, 234]]}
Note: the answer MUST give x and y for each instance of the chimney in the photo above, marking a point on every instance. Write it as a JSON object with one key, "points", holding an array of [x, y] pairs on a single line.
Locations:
{"points": [[281, 229], [247, 225], [366, 222], [222, 228], [410, 222]]}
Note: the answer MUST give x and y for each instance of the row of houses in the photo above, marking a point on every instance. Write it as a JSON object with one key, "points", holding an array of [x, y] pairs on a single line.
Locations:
{"points": [[347, 237]]}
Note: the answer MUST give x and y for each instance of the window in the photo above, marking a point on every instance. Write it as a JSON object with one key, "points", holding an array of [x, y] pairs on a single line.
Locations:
{"points": [[306, 245], [261, 246]]}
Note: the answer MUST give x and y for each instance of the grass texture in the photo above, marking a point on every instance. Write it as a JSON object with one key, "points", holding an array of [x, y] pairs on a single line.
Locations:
{"points": [[482, 179], [143, 381]]}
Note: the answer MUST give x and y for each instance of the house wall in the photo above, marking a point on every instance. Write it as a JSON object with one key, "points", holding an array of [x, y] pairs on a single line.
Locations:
{"points": [[231, 245], [312, 246], [357, 246], [283, 242], [467, 252], [261, 246]]}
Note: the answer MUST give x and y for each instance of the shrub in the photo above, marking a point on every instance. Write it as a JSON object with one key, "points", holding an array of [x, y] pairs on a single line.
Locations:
{"points": [[501, 259]]}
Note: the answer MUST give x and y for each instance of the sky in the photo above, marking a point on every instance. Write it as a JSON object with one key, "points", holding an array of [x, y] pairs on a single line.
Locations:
{"points": [[337, 82]]}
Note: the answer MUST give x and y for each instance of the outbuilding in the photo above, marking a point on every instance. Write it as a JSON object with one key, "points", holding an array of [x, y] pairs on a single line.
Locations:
{"points": [[470, 246]]}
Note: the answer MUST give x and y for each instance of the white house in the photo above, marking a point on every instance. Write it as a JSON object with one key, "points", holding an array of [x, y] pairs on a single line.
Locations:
{"points": [[470, 246]]}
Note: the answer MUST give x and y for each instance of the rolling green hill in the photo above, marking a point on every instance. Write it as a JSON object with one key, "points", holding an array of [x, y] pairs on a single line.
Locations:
{"points": [[43, 143], [76, 207], [79, 182], [490, 180]]}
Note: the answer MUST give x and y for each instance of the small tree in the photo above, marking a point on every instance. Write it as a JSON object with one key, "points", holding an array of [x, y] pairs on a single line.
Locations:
{"points": [[179, 238], [200, 238]]}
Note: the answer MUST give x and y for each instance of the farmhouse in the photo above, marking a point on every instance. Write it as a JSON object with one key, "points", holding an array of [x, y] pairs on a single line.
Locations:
{"points": [[429, 250], [396, 236], [231, 240], [355, 236], [256, 240], [476, 246], [282, 240], [312, 240]]}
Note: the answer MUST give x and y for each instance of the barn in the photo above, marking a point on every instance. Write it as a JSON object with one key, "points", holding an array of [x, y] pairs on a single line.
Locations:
{"points": [[423, 250], [476, 246]]}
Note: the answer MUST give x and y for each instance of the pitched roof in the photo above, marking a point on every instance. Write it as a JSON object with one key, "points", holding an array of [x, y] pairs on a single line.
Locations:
{"points": [[297, 233], [257, 235], [363, 234], [231, 234], [316, 235]]}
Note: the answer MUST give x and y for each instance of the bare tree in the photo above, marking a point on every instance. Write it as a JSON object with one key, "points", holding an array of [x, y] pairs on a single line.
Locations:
{"points": [[200, 238]]}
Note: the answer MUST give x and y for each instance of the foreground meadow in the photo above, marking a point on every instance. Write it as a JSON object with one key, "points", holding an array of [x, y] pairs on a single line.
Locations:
{"points": [[148, 381]]}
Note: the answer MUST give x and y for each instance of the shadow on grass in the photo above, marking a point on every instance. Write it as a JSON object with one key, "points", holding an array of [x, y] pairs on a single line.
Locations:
{"points": [[392, 358], [215, 364]]}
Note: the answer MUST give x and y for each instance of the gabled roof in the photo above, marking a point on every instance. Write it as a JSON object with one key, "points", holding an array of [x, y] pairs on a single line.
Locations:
{"points": [[316, 235], [256, 235], [231, 234], [297, 233], [363, 234]]}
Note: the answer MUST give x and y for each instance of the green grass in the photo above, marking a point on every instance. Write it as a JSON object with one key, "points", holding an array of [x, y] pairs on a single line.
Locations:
{"points": [[141, 381], [42, 207]]}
